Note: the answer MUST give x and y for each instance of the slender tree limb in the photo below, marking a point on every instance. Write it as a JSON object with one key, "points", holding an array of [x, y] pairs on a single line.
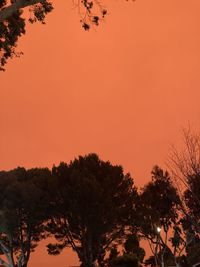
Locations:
{"points": [[4, 263], [3, 247]]}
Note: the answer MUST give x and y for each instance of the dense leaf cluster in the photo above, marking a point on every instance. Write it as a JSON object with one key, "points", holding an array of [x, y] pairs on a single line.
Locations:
{"points": [[10, 31]]}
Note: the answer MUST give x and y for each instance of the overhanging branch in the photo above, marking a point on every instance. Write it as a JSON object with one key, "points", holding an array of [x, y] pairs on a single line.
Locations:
{"points": [[8, 11]]}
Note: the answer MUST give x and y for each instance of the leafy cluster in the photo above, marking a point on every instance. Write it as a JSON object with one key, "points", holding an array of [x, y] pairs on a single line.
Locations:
{"points": [[91, 13], [38, 12], [10, 31]]}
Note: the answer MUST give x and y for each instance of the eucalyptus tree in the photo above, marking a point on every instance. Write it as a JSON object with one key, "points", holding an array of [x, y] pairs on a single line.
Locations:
{"points": [[93, 203], [158, 211], [191, 220], [24, 205]]}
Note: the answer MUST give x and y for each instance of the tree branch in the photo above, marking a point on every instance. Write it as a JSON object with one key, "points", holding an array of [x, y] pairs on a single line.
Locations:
{"points": [[8, 11], [3, 247], [4, 263]]}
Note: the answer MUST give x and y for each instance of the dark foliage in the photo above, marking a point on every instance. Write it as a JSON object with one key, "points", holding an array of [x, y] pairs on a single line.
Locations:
{"points": [[158, 203], [24, 203], [94, 201], [126, 260]]}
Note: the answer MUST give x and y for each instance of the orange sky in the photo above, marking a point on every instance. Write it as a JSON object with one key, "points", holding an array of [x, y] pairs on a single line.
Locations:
{"points": [[122, 90]]}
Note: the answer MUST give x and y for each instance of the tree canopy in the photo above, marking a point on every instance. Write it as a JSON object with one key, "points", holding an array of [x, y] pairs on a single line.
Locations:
{"points": [[24, 204], [94, 208]]}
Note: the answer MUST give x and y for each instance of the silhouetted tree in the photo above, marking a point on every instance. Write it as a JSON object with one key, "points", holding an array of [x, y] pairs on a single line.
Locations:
{"points": [[184, 165], [23, 205], [191, 240], [184, 162], [93, 205], [158, 210]]}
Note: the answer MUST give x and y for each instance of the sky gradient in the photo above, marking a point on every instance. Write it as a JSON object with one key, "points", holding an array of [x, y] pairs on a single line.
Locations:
{"points": [[122, 90]]}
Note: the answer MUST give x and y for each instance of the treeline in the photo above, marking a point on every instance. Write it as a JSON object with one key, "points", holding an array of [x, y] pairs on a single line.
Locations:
{"points": [[93, 207]]}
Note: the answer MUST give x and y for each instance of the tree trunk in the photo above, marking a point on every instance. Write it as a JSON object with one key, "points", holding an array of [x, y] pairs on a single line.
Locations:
{"points": [[162, 261], [88, 259], [88, 264]]}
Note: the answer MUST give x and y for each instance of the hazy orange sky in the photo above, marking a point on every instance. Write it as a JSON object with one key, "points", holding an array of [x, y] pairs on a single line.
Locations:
{"points": [[122, 90]]}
